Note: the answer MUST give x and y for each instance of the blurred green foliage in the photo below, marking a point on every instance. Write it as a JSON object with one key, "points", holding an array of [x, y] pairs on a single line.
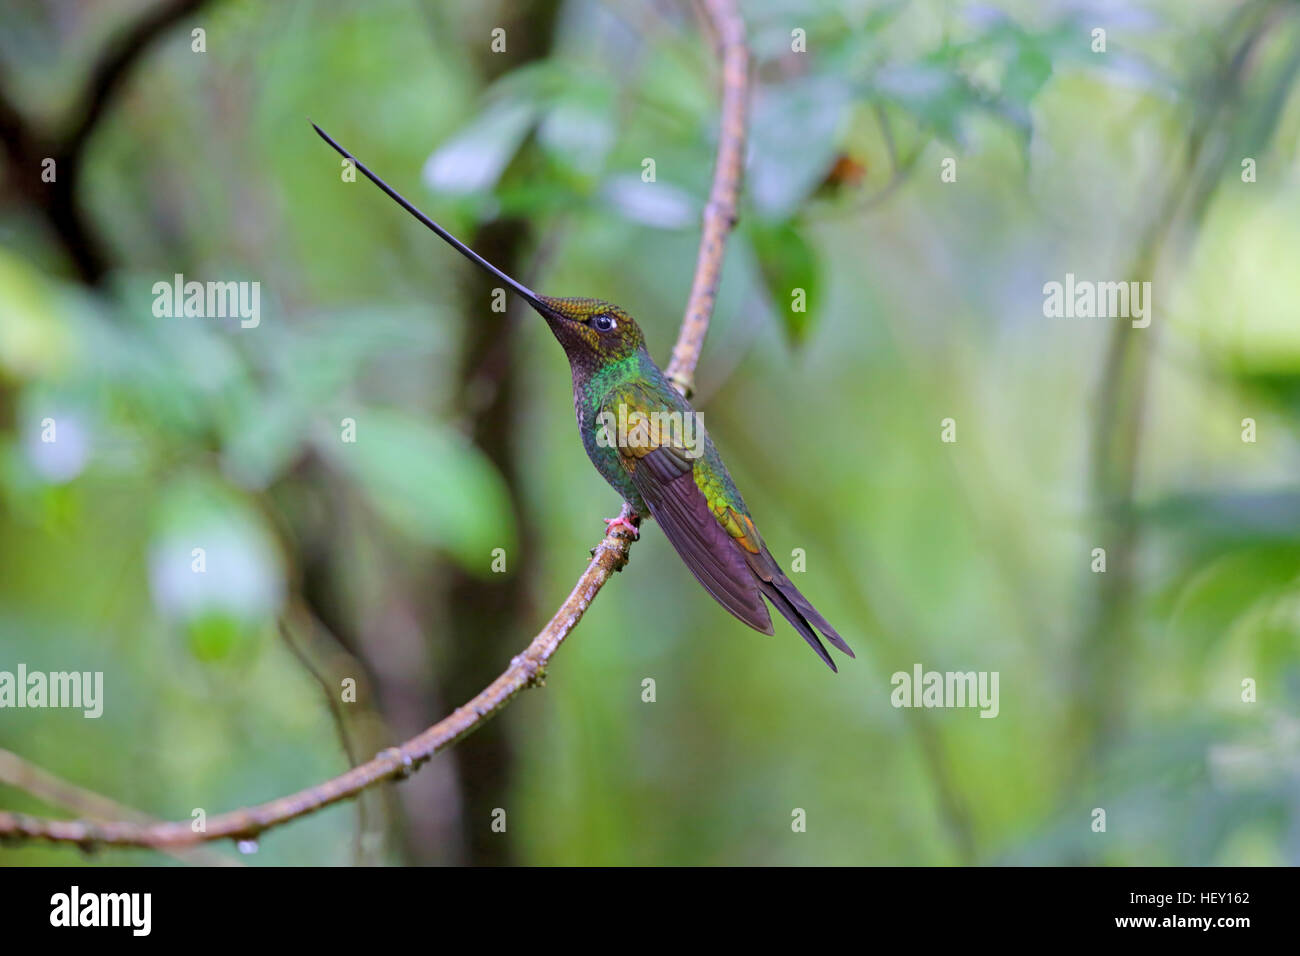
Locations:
{"points": [[923, 302]]}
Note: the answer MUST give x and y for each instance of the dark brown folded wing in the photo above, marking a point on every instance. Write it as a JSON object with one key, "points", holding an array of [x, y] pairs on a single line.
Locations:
{"points": [[666, 481]]}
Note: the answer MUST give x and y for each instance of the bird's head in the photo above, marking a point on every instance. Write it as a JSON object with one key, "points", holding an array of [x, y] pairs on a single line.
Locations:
{"points": [[591, 331]]}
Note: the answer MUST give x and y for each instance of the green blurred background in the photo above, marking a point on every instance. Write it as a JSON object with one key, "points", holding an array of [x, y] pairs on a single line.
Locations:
{"points": [[1119, 690]]}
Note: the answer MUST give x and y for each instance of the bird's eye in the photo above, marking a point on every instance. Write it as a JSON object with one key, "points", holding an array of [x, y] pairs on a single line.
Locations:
{"points": [[603, 323]]}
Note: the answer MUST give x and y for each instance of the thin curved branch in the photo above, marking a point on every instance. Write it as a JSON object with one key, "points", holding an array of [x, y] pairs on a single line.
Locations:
{"points": [[40, 783], [608, 557], [720, 213], [115, 64], [26, 146], [526, 670]]}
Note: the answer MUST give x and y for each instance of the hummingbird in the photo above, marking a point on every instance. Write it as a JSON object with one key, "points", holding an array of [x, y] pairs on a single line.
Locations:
{"points": [[660, 469]]}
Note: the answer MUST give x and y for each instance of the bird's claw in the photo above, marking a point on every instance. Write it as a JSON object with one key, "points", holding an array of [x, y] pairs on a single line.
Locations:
{"points": [[613, 524]]}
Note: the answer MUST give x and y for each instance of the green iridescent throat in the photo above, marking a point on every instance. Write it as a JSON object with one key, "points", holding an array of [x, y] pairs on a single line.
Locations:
{"points": [[612, 374]]}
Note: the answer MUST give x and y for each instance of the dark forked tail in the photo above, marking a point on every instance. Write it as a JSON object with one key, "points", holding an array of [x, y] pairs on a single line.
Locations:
{"points": [[797, 609]]}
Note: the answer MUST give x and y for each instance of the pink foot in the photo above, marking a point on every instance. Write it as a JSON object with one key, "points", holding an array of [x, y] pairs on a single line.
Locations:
{"points": [[613, 524]]}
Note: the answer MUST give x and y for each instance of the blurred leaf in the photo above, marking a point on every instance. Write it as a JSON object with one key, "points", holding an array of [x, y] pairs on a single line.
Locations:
{"points": [[577, 130], [794, 141], [659, 204], [932, 93], [327, 351], [1216, 519], [34, 335], [788, 262], [1028, 70], [474, 159], [263, 440], [430, 484], [1228, 590], [216, 635]]}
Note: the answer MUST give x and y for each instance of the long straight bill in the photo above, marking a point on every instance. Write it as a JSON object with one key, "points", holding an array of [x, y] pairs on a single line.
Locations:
{"points": [[459, 246]]}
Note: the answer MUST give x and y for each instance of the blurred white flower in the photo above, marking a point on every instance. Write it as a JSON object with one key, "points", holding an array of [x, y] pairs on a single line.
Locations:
{"points": [[58, 447]]}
